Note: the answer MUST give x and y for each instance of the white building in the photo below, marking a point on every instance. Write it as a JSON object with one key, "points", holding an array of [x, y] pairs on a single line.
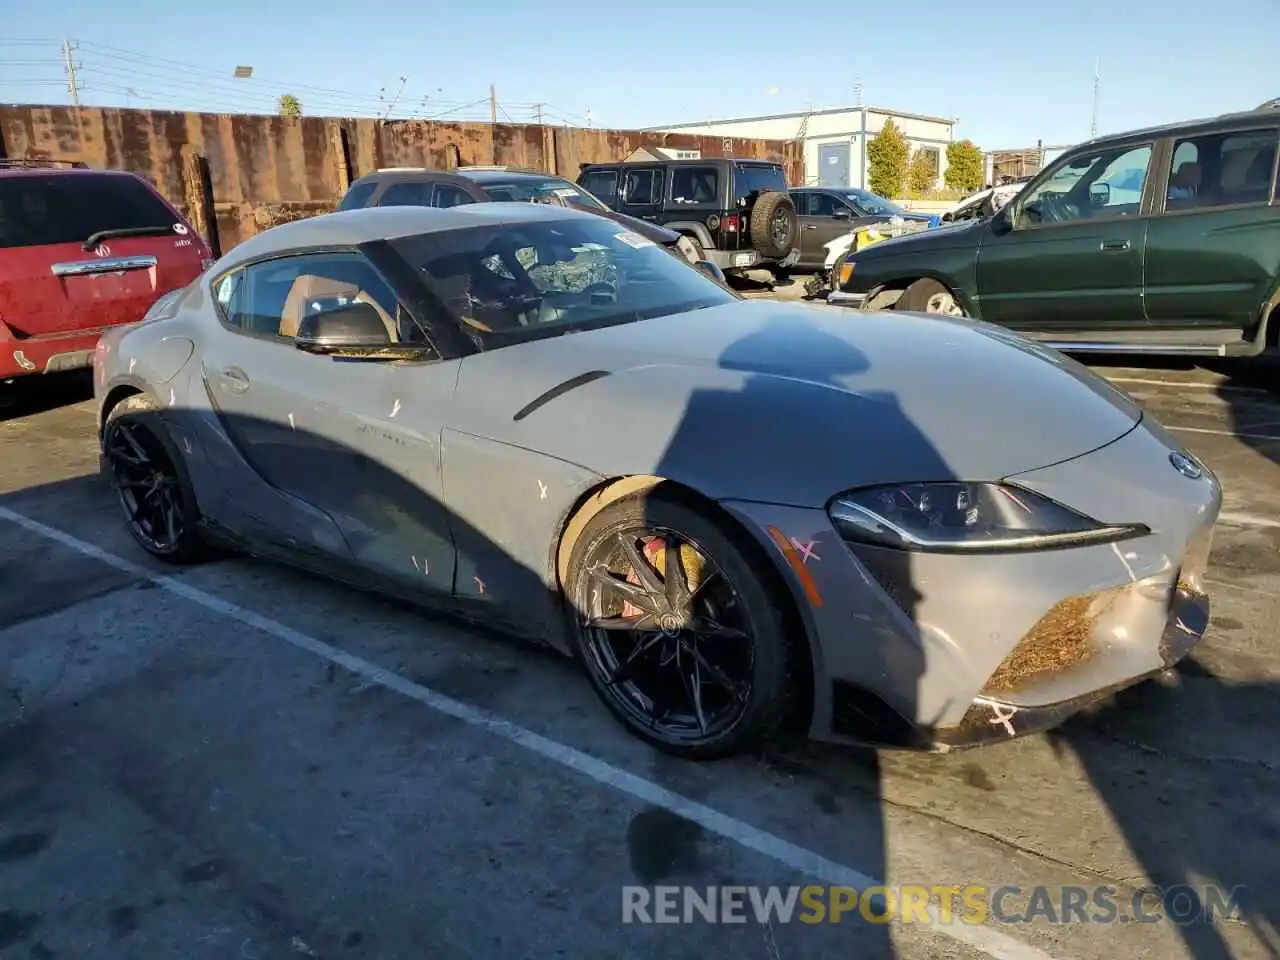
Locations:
{"points": [[835, 140]]}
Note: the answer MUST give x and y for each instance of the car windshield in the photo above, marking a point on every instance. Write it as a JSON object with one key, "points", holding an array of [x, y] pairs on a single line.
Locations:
{"points": [[513, 282], [872, 205], [551, 190]]}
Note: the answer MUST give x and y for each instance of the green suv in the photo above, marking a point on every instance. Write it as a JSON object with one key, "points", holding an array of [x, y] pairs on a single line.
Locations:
{"points": [[1163, 241]]}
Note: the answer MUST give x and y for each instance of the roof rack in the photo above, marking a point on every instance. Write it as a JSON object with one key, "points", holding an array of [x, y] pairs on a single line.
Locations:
{"points": [[486, 166], [73, 164], [402, 169]]}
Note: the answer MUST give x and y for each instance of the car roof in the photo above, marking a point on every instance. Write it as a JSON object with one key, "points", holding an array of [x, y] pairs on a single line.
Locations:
{"points": [[506, 176], [39, 171], [1226, 121], [349, 228], [705, 161]]}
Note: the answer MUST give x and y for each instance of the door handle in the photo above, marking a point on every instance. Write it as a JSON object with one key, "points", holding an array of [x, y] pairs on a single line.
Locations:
{"points": [[235, 380], [811, 226], [1114, 245]]}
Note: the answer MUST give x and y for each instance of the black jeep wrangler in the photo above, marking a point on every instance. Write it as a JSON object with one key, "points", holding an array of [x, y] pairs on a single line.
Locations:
{"points": [[737, 211]]}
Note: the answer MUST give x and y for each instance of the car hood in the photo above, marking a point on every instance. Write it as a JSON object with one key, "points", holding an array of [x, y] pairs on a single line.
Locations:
{"points": [[792, 403], [942, 237]]}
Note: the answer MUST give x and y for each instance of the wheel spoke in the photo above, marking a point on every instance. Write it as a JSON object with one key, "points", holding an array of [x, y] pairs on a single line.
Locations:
{"points": [[637, 624], [711, 630], [718, 676], [644, 570], [707, 577], [139, 454], [677, 582], [636, 595], [624, 670], [170, 512], [692, 684]]}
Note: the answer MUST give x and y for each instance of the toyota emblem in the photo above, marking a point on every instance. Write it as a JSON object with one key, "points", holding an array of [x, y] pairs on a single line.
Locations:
{"points": [[1185, 465]]}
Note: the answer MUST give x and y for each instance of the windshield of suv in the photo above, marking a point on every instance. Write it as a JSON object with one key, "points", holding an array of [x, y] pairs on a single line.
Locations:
{"points": [[750, 179], [871, 205], [40, 209], [551, 190], [513, 282]]}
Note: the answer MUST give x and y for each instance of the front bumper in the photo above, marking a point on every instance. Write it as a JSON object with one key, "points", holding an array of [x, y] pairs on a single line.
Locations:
{"points": [[937, 651], [840, 298], [991, 720]]}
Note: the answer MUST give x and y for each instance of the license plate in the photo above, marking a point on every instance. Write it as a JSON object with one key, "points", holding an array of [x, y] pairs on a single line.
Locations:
{"points": [[743, 260]]}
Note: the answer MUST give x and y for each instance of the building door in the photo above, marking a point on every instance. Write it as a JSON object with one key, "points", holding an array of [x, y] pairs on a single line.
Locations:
{"points": [[833, 165]]}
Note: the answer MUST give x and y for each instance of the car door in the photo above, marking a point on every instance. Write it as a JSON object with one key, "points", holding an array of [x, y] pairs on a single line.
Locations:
{"points": [[1213, 250], [822, 218], [356, 439], [641, 192], [1068, 254]]}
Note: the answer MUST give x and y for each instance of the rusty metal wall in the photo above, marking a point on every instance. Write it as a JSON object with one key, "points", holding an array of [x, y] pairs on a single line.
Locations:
{"points": [[264, 170]]}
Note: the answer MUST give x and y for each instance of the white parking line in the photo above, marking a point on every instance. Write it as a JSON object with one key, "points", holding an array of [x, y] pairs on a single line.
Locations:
{"points": [[985, 939]]}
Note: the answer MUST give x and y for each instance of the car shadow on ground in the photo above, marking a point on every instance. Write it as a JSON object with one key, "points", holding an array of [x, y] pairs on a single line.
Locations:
{"points": [[28, 396]]}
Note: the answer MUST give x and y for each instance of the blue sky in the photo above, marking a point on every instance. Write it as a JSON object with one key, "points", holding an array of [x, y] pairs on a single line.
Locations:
{"points": [[1012, 74]]}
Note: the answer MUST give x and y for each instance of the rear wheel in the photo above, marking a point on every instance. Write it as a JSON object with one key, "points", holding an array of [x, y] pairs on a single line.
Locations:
{"points": [[681, 638], [154, 495], [929, 296]]}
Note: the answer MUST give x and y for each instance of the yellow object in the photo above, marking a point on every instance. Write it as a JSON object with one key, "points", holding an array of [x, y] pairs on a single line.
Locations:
{"points": [[846, 272]]}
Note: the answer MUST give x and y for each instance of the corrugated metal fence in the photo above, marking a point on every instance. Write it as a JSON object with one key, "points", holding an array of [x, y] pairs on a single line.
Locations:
{"points": [[234, 175]]}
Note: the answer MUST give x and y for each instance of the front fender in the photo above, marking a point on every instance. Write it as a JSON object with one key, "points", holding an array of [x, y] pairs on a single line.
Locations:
{"points": [[954, 269]]}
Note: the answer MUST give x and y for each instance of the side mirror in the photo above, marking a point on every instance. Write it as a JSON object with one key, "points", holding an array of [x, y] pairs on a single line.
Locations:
{"points": [[1099, 194], [842, 213], [948, 217], [343, 326], [711, 270]]}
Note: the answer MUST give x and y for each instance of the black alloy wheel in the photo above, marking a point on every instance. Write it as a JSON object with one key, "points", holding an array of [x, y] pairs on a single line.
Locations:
{"points": [[680, 638]]}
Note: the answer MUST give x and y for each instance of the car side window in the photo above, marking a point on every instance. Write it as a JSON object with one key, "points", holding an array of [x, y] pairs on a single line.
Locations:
{"points": [[1222, 170], [642, 187], [801, 200], [447, 195], [270, 299], [406, 194], [357, 196], [694, 185], [603, 184], [1090, 187], [823, 205]]}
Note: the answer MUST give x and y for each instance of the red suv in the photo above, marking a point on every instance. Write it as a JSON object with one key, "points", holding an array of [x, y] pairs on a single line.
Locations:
{"points": [[82, 250]]}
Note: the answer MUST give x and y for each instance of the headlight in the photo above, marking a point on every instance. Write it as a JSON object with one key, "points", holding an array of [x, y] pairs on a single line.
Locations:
{"points": [[966, 518]]}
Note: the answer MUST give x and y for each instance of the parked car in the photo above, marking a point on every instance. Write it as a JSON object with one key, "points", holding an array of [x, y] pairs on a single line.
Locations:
{"points": [[829, 212], [1164, 241], [733, 512], [81, 251], [417, 186], [738, 211]]}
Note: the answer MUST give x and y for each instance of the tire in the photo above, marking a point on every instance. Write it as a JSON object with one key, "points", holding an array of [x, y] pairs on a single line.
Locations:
{"points": [[138, 418], [765, 658], [925, 295], [773, 224], [690, 249]]}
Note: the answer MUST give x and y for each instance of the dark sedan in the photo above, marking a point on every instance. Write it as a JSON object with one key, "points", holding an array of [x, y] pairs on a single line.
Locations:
{"points": [[829, 212]]}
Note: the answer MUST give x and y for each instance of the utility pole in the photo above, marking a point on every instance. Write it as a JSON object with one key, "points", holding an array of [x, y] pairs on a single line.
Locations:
{"points": [[1097, 82], [588, 117], [493, 104], [73, 87], [537, 112]]}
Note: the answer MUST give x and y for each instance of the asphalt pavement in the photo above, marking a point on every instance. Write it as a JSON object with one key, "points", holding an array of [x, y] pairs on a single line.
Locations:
{"points": [[239, 760]]}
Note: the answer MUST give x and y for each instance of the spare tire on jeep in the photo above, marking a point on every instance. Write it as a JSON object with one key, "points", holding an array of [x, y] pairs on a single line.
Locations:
{"points": [[773, 224]]}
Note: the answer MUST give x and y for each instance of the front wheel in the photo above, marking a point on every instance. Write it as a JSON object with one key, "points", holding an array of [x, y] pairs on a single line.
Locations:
{"points": [[929, 296], [681, 638]]}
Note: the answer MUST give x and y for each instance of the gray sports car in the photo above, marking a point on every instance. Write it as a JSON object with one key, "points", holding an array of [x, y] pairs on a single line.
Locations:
{"points": [[919, 532]]}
